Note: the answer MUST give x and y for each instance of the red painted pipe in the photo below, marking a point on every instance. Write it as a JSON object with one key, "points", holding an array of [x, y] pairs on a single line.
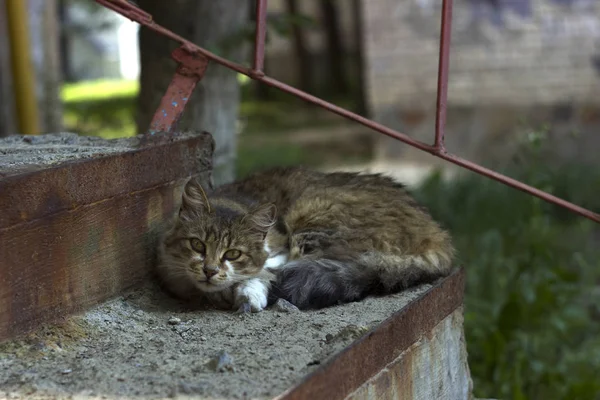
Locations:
{"points": [[261, 35], [128, 10], [442, 88]]}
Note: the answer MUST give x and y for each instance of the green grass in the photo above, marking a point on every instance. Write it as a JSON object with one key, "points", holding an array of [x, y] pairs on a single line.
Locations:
{"points": [[106, 89], [106, 108], [274, 117], [532, 318], [106, 118], [98, 90], [252, 156], [103, 108]]}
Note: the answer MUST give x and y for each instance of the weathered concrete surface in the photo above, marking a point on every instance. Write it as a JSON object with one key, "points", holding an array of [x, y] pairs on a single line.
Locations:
{"points": [[435, 367], [127, 348], [76, 230], [20, 153], [148, 345], [367, 356]]}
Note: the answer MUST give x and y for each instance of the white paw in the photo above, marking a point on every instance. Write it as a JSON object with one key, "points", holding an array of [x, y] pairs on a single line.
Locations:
{"points": [[276, 261], [251, 295]]}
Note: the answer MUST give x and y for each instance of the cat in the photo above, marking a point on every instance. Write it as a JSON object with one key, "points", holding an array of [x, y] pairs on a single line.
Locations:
{"points": [[314, 239]]}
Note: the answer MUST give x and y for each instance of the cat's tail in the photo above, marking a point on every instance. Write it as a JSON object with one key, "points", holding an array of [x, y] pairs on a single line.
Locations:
{"points": [[317, 283]]}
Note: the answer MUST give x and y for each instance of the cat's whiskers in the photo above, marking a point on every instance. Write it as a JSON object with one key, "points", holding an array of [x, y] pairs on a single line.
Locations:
{"points": [[200, 277], [235, 278], [181, 269], [176, 265]]}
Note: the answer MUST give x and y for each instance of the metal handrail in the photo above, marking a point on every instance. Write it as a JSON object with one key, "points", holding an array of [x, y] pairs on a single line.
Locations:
{"points": [[192, 61]]}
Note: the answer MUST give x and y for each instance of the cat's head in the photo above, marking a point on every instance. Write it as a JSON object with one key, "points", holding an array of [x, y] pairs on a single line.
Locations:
{"points": [[216, 242]]}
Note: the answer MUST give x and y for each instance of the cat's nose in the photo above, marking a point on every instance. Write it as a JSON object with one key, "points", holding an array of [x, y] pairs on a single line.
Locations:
{"points": [[210, 271]]}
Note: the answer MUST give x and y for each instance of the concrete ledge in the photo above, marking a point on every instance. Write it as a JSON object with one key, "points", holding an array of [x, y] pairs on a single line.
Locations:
{"points": [[397, 343], [80, 216], [435, 367], [147, 345], [76, 232]]}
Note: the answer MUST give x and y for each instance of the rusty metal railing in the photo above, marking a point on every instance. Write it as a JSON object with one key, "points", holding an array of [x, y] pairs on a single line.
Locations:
{"points": [[193, 60]]}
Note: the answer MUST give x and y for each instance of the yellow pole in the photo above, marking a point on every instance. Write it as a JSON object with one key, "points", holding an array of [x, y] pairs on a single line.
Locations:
{"points": [[22, 68]]}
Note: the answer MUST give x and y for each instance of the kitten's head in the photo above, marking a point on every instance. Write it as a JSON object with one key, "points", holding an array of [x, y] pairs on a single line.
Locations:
{"points": [[216, 242]]}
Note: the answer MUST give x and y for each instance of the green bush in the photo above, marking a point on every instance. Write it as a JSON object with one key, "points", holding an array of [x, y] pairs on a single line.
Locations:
{"points": [[532, 307]]}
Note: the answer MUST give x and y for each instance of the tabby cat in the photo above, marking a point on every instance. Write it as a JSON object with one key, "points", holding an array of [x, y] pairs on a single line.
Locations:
{"points": [[314, 239]]}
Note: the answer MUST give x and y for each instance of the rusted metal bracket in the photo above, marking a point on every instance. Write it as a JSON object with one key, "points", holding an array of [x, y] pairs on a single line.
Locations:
{"points": [[191, 69]]}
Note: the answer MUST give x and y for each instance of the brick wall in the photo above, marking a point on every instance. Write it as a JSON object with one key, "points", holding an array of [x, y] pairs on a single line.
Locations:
{"points": [[527, 56]]}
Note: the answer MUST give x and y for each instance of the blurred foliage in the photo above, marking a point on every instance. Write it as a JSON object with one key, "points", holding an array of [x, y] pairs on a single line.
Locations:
{"points": [[250, 158], [100, 108], [278, 24], [284, 150], [106, 108], [532, 318]]}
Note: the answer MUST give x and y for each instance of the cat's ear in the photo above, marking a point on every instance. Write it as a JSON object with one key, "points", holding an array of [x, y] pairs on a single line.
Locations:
{"points": [[263, 217], [194, 198]]}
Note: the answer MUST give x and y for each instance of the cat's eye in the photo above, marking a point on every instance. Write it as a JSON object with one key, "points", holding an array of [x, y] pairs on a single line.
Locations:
{"points": [[232, 254], [198, 246]]}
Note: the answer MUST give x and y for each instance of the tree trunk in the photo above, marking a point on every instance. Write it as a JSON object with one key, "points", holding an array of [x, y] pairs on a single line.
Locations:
{"points": [[335, 47], [302, 54], [359, 59], [215, 103], [65, 55], [45, 40]]}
